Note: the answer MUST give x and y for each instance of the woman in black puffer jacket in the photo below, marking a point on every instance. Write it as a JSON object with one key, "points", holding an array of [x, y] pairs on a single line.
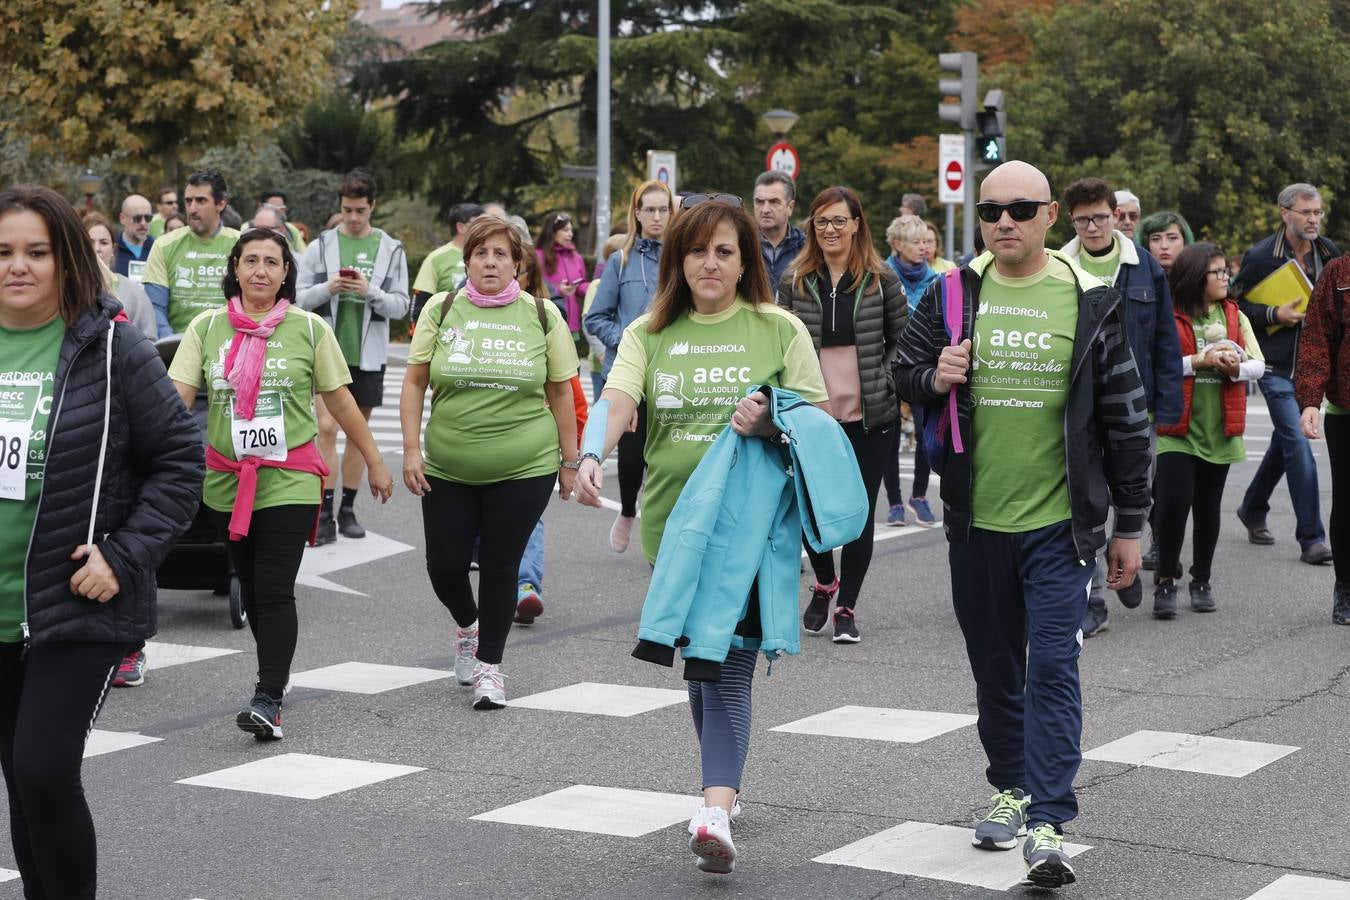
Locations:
{"points": [[100, 470], [854, 307]]}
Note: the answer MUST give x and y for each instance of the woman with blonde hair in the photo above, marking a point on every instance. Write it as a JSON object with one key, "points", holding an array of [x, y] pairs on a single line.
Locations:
{"points": [[854, 308], [626, 290]]}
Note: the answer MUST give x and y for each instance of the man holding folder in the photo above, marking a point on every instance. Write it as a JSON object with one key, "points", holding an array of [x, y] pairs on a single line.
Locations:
{"points": [[1273, 298]]}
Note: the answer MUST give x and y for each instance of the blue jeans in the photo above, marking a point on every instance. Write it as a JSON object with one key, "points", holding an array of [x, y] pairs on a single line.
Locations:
{"points": [[1288, 455], [532, 562]]}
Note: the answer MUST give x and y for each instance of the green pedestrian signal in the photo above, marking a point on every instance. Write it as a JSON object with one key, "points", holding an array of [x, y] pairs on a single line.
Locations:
{"points": [[991, 150]]}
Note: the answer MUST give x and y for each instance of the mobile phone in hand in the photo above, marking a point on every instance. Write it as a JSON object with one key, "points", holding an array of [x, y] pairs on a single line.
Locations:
{"points": [[347, 273]]}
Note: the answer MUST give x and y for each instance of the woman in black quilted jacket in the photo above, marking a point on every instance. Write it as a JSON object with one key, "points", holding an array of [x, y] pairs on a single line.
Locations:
{"points": [[100, 470]]}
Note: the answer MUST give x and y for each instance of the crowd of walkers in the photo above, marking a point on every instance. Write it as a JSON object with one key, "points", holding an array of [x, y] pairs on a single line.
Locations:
{"points": [[731, 347]]}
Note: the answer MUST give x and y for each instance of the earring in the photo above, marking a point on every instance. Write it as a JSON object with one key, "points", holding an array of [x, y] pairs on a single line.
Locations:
{"points": [[739, 277]]}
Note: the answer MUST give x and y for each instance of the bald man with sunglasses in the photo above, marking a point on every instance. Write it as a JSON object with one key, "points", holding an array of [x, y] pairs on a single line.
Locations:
{"points": [[1054, 432]]}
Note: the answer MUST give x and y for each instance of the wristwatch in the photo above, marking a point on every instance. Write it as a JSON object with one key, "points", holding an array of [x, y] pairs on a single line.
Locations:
{"points": [[576, 464]]}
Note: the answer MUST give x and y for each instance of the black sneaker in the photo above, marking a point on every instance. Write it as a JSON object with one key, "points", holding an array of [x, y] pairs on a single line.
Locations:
{"points": [[1202, 597], [1094, 620], [1340, 605], [1149, 562], [818, 610], [1132, 596], [327, 530], [845, 627], [1165, 600], [347, 524], [261, 718]]}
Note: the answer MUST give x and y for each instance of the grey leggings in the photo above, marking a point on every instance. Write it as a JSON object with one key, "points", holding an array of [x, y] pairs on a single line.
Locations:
{"points": [[722, 719]]}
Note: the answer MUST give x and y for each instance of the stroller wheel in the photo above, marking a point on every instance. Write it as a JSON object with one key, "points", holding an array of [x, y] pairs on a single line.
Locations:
{"points": [[238, 617]]}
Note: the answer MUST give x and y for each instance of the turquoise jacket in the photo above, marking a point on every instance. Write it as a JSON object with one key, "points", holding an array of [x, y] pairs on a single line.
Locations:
{"points": [[738, 524]]}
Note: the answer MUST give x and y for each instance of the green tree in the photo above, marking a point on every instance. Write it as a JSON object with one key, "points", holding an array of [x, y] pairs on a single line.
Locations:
{"points": [[153, 83], [1208, 107], [496, 110]]}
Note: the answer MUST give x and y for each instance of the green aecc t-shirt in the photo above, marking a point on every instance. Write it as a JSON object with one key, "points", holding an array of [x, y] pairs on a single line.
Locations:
{"points": [[191, 268], [359, 254]]}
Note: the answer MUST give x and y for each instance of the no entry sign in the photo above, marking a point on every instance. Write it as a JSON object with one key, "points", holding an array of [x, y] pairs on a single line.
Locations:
{"points": [[951, 168]]}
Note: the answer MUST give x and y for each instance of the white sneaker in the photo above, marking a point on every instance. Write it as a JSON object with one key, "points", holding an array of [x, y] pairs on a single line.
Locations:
{"points": [[621, 532], [710, 840], [489, 687], [466, 647]]}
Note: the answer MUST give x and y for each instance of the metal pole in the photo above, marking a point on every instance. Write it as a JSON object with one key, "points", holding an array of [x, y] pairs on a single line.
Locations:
{"points": [[602, 133], [949, 247], [968, 213]]}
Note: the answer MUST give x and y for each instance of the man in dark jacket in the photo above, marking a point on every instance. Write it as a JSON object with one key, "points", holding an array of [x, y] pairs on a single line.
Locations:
{"points": [[1289, 453], [1053, 425], [135, 241], [1147, 307], [779, 240]]}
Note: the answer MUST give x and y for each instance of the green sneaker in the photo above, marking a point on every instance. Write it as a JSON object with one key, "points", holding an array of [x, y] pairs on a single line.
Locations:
{"points": [[1005, 823], [1047, 864]]}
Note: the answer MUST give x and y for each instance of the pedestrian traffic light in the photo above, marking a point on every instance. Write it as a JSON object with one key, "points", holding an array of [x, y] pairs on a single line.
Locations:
{"points": [[967, 64], [992, 125]]}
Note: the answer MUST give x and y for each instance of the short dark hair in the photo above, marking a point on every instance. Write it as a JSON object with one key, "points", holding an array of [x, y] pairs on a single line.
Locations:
{"points": [[159, 194], [486, 227], [915, 204], [1190, 272], [212, 177], [268, 195], [357, 184], [1087, 191], [464, 213], [229, 285], [79, 279], [773, 176]]}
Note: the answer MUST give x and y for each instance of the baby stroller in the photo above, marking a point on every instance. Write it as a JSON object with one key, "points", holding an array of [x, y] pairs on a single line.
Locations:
{"points": [[198, 560]]}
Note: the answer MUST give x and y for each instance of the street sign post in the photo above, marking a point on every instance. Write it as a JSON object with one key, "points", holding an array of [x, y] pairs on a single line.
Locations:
{"points": [[661, 166], [783, 158]]}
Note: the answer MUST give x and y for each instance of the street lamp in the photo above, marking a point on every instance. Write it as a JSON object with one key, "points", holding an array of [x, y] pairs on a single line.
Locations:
{"points": [[90, 183], [780, 121]]}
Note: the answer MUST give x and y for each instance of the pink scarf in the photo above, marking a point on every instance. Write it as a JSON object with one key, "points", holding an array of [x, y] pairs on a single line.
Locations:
{"points": [[244, 364], [478, 298]]}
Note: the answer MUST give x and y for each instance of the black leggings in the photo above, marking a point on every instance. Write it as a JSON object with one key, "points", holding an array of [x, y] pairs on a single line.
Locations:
{"points": [[500, 516], [267, 562], [1186, 483], [871, 449], [49, 699], [895, 495], [632, 463], [1337, 429]]}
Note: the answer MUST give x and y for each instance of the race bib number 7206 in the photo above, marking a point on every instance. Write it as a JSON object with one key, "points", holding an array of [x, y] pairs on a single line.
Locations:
{"points": [[265, 434]]}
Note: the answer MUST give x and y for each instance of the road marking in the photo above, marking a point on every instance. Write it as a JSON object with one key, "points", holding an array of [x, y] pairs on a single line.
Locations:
{"points": [[905, 726], [101, 742], [365, 678], [300, 775], [941, 852], [344, 554], [602, 699], [1301, 887], [161, 655], [599, 810], [1190, 753]]}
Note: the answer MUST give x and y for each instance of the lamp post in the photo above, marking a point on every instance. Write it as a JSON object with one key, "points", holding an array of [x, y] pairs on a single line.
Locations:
{"points": [[782, 155], [90, 183]]}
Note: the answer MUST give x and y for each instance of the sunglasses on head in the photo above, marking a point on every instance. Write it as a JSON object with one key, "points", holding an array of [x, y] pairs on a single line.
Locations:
{"points": [[692, 200], [561, 222], [1018, 210]]}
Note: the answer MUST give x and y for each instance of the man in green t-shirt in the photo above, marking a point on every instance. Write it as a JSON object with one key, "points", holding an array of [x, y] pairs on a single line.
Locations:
{"points": [[1053, 429], [166, 206], [183, 272], [443, 269], [356, 277]]}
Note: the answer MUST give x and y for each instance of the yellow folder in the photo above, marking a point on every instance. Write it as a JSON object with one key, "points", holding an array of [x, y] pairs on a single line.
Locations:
{"points": [[1288, 282]]}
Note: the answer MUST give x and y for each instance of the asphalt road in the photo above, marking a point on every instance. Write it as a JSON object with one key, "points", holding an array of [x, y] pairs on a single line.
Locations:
{"points": [[1267, 668]]}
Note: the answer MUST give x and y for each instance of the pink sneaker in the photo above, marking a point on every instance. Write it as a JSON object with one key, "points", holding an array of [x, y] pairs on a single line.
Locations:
{"points": [[621, 532], [131, 673]]}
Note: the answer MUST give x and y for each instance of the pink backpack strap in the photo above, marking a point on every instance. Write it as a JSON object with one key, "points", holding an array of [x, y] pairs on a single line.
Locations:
{"points": [[954, 314]]}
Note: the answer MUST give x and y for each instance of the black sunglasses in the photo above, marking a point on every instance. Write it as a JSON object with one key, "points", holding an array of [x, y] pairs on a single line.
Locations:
{"points": [[1018, 210], [561, 222], [141, 219], [691, 200]]}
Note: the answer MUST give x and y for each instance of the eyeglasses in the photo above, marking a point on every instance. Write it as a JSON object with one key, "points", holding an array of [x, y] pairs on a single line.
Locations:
{"points": [[141, 218], [839, 222], [1308, 213], [1097, 221], [1221, 274], [169, 201], [655, 210], [1018, 210], [1124, 216], [689, 201]]}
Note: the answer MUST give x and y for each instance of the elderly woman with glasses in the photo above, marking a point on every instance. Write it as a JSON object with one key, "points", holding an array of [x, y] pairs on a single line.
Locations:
{"points": [[853, 305]]}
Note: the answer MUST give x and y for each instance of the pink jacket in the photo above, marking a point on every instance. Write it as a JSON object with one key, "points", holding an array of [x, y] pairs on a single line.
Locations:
{"points": [[571, 267]]}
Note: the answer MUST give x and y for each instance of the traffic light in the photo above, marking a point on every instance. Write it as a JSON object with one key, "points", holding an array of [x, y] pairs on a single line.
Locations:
{"points": [[967, 64], [992, 125]]}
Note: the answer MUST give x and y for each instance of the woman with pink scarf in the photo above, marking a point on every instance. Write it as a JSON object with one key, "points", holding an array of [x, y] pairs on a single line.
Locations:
{"points": [[564, 271], [263, 359]]}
